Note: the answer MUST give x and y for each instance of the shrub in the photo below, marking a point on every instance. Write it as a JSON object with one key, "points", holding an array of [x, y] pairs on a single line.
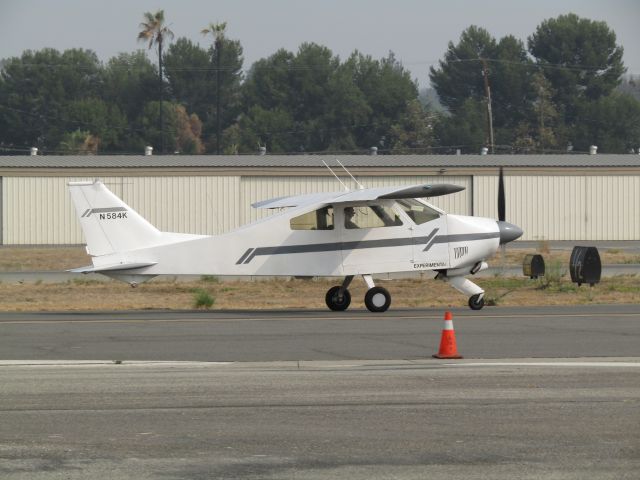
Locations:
{"points": [[202, 298]]}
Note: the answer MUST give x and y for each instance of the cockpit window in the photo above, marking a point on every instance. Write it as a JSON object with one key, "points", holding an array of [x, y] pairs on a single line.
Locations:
{"points": [[418, 212], [370, 216], [317, 220]]}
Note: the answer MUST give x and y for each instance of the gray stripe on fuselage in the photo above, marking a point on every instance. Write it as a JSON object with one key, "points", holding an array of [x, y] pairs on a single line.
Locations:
{"points": [[466, 237], [430, 240], [244, 255]]}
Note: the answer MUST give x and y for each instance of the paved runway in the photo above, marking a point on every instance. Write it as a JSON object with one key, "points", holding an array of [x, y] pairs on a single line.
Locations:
{"points": [[264, 336], [356, 420], [350, 395]]}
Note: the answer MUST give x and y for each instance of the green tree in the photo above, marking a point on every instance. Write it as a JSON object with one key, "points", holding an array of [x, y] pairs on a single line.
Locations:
{"points": [[181, 130], [612, 123], [545, 112], [478, 61], [464, 130], [104, 122], [35, 89], [189, 72], [414, 133], [459, 76], [260, 127], [388, 89], [155, 32], [543, 130], [333, 106], [510, 78], [130, 82], [580, 58], [268, 82], [78, 142], [308, 94]]}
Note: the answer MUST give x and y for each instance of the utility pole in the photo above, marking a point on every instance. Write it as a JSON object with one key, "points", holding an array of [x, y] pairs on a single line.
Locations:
{"points": [[218, 55], [487, 93], [217, 31], [161, 97]]}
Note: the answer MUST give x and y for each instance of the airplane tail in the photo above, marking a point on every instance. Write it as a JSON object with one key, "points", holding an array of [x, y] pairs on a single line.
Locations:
{"points": [[109, 225]]}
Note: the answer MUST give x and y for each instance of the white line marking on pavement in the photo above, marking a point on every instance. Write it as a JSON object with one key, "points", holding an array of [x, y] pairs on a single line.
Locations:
{"points": [[546, 364]]}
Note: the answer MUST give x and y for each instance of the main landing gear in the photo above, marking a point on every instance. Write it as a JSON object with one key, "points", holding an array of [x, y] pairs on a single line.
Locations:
{"points": [[377, 299]]}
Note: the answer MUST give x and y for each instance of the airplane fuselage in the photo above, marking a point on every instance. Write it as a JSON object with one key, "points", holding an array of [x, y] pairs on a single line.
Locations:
{"points": [[273, 249]]}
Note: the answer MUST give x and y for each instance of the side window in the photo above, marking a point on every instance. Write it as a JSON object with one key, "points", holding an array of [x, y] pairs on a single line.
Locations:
{"points": [[418, 212], [370, 216], [317, 220]]}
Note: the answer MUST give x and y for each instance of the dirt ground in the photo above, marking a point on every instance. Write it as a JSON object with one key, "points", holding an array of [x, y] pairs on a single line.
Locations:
{"points": [[80, 295]]}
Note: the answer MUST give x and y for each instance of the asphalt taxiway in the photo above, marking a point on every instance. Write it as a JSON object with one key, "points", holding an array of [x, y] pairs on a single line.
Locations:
{"points": [[542, 393], [265, 336]]}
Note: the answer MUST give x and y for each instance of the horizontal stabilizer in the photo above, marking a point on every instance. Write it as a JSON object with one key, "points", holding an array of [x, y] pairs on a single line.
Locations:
{"points": [[112, 267]]}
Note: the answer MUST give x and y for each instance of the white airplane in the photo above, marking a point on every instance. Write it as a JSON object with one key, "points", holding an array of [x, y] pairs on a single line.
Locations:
{"points": [[339, 234]]}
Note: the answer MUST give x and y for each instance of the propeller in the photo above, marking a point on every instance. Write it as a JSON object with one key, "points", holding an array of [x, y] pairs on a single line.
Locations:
{"points": [[508, 231], [501, 202]]}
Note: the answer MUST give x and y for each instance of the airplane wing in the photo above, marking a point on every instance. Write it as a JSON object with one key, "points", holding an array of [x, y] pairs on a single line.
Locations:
{"points": [[413, 191], [295, 201]]}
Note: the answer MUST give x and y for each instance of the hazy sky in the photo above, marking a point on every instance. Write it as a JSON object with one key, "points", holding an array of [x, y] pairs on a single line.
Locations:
{"points": [[417, 31]]}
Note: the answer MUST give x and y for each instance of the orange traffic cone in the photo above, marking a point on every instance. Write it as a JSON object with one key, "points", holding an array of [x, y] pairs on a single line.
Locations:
{"points": [[448, 347]]}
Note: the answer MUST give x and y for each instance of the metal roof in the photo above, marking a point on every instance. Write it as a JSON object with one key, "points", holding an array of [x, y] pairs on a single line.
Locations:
{"points": [[315, 161]]}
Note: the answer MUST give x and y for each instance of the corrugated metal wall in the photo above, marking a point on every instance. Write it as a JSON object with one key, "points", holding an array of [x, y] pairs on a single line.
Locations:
{"points": [[565, 207], [38, 210]]}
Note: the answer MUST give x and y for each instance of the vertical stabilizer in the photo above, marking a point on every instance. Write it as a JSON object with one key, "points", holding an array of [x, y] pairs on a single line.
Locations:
{"points": [[110, 225]]}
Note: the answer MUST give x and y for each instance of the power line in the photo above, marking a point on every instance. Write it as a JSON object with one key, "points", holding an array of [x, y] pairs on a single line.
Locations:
{"points": [[307, 67]]}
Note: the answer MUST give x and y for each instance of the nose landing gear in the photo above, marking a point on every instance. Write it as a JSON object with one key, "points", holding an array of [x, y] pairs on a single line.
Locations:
{"points": [[476, 302], [465, 286]]}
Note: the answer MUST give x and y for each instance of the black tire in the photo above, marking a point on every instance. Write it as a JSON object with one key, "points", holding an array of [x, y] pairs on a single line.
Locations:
{"points": [[476, 302], [334, 303], [377, 299]]}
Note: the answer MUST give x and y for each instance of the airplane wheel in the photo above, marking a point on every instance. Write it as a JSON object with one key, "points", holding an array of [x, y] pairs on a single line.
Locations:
{"points": [[476, 302], [377, 299], [334, 302]]}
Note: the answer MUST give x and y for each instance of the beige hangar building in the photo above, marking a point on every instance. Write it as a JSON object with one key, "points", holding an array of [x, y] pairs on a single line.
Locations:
{"points": [[551, 197]]}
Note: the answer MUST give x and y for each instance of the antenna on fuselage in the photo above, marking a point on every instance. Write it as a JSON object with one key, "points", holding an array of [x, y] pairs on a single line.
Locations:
{"points": [[337, 178], [360, 186]]}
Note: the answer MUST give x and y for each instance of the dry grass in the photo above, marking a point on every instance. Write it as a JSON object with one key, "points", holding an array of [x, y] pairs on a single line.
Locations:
{"points": [[41, 259], [515, 256], [301, 294], [295, 294]]}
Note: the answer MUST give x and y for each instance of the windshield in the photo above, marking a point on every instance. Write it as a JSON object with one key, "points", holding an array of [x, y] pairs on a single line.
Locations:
{"points": [[418, 212]]}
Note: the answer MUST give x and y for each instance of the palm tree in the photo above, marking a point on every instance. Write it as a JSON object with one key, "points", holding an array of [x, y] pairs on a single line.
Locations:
{"points": [[217, 31], [155, 32]]}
